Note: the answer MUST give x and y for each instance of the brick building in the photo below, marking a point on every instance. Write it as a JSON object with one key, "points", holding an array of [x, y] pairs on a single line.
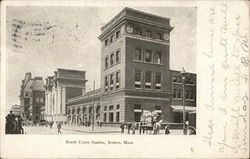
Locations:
{"points": [[135, 72], [65, 84], [32, 97]]}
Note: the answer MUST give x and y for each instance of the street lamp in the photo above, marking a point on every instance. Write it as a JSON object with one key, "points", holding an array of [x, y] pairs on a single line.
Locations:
{"points": [[183, 73]]}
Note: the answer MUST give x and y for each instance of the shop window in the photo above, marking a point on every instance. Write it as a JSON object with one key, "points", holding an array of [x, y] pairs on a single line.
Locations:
{"points": [[105, 117], [117, 117], [148, 56], [111, 117], [138, 54], [158, 80], [148, 79], [137, 79], [179, 93]]}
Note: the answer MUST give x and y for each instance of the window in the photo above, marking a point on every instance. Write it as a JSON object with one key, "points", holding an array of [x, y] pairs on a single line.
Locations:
{"points": [[138, 54], [191, 81], [137, 116], [148, 79], [187, 81], [138, 31], [117, 34], [111, 81], [186, 94], [111, 38], [106, 42], [137, 106], [192, 95], [111, 107], [105, 117], [117, 79], [158, 58], [117, 117], [117, 106], [174, 79], [148, 34], [111, 117], [111, 59], [105, 108], [157, 107], [106, 83], [158, 36], [106, 62], [41, 100], [148, 56], [179, 93], [137, 79], [37, 100], [158, 80], [117, 56], [174, 93]]}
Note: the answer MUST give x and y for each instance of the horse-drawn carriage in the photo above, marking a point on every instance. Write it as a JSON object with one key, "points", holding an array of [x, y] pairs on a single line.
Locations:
{"points": [[149, 122]]}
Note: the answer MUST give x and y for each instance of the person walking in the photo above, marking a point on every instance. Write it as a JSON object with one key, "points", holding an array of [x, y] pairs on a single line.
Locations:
{"points": [[122, 127], [129, 127], [167, 132], [59, 126], [133, 127]]}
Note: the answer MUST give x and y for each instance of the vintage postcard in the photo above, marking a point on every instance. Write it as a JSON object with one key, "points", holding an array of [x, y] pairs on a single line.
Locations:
{"points": [[125, 79]]}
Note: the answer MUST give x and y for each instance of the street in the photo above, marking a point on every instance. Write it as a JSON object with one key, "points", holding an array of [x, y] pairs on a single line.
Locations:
{"points": [[70, 130]]}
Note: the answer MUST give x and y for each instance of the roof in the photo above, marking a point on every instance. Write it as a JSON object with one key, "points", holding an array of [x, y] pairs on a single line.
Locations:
{"points": [[35, 84]]}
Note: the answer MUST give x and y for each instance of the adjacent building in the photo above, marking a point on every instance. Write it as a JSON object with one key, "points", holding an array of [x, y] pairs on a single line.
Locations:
{"points": [[135, 74], [32, 97], [60, 87]]}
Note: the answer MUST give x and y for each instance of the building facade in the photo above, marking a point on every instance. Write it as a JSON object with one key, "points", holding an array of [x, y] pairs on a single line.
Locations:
{"points": [[135, 74], [32, 97], [60, 87]]}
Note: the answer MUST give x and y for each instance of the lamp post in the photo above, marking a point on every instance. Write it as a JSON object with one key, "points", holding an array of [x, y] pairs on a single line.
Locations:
{"points": [[183, 98]]}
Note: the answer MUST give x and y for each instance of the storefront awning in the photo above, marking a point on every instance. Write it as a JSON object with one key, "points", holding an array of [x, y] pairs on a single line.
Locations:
{"points": [[179, 108]]}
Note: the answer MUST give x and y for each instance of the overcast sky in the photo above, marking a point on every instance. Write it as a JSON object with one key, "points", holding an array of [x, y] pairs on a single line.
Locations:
{"points": [[42, 39]]}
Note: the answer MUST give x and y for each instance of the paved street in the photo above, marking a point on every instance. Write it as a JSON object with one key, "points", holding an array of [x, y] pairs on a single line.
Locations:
{"points": [[86, 130]]}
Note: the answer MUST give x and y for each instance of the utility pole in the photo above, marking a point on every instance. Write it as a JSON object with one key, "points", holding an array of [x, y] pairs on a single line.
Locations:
{"points": [[93, 112]]}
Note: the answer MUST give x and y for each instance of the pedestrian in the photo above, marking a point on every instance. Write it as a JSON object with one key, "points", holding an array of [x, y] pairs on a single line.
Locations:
{"points": [[122, 127], [133, 127], [129, 127], [10, 123], [59, 126], [167, 132]]}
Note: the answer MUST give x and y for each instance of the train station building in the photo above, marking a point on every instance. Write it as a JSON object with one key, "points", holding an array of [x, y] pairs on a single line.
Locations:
{"points": [[135, 74]]}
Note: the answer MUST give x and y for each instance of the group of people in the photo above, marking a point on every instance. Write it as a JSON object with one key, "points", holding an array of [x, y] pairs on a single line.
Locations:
{"points": [[13, 124]]}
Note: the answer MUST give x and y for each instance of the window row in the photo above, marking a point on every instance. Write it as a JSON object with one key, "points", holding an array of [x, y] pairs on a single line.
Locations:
{"points": [[147, 77], [111, 107], [189, 94], [148, 34], [187, 80], [148, 56], [109, 117], [110, 39], [112, 59], [39, 100], [112, 81]]}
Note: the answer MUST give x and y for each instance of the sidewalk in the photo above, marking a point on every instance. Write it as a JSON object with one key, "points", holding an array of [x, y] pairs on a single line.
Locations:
{"points": [[112, 130]]}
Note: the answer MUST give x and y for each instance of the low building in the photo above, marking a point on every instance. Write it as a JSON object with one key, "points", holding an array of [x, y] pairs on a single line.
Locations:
{"points": [[60, 87], [32, 97]]}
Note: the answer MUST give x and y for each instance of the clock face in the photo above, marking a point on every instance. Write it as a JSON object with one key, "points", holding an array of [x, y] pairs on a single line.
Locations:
{"points": [[129, 29], [166, 36]]}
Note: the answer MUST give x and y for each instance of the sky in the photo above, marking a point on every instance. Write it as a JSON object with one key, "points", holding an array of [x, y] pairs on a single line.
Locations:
{"points": [[42, 39]]}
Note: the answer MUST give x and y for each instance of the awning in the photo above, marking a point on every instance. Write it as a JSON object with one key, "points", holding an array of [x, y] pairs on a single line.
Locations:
{"points": [[179, 108]]}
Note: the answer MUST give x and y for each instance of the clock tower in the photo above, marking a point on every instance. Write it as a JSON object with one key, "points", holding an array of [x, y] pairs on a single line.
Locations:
{"points": [[135, 73]]}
